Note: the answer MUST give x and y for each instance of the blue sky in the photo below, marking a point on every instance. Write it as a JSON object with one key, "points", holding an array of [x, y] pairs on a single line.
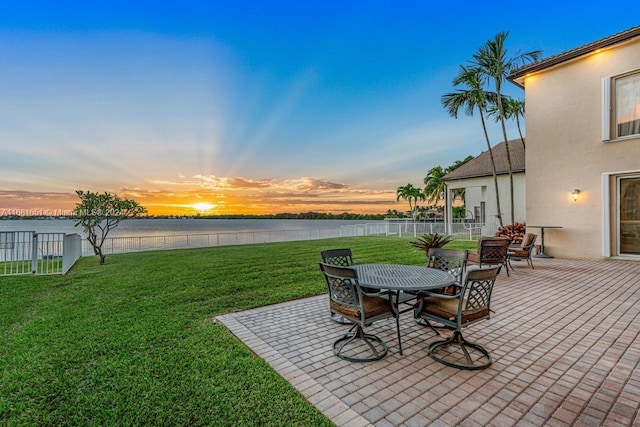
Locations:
{"points": [[252, 106]]}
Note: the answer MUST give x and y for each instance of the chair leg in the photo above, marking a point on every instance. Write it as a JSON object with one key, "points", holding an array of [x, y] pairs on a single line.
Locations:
{"points": [[483, 358], [425, 322], [340, 320], [398, 331], [356, 333]]}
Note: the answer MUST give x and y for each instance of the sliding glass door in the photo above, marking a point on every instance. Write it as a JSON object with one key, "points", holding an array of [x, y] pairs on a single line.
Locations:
{"points": [[629, 215]]}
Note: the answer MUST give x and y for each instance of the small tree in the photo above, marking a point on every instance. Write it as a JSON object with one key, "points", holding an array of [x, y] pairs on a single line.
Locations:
{"points": [[100, 213]]}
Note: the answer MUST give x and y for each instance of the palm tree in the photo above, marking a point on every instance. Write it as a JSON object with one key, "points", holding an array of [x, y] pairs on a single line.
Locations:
{"points": [[471, 98], [433, 185], [513, 109], [494, 64], [412, 195]]}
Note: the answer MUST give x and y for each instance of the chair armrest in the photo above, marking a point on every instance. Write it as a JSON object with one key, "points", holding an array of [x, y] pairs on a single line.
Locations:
{"points": [[473, 257]]}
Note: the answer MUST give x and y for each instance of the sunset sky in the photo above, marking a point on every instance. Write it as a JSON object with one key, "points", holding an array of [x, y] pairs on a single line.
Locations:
{"points": [[251, 106]]}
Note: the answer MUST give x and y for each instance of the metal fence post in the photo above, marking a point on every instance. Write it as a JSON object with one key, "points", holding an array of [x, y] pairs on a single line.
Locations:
{"points": [[34, 254]]}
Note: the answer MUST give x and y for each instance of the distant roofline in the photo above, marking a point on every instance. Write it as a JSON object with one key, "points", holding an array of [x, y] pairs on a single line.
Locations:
{"points": [[480, 166], [517, 77]]}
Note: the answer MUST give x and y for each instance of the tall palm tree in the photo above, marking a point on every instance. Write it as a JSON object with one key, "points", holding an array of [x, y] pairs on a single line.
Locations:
{"points": [[411, 194], [494, 63], [513, 109], [433, 185], [472, 98]]}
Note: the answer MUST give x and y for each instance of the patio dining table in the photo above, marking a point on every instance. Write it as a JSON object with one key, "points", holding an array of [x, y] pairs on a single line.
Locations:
{"points": [[399, 278]]}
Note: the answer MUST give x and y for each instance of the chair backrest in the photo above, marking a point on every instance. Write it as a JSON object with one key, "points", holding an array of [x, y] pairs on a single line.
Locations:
{"points": [[475, 297], [341, 257], [342, 284], [450, 260], [493, 250], [528, 241]]}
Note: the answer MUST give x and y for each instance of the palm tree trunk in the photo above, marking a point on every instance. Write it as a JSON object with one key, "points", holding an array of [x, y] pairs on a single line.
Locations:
{"points": [[506, 146], [493, 167], [520, 132]]}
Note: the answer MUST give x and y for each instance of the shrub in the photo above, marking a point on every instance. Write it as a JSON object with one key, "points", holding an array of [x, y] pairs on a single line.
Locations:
{"points": [[430, 240], [513, 231]]}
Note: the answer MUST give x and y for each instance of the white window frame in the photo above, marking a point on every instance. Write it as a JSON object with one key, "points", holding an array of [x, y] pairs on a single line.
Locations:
{"points": [[609, 110]]}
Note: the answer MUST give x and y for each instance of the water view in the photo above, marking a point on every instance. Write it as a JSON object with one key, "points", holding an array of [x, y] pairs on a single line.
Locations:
{"points": [[165, 227]]}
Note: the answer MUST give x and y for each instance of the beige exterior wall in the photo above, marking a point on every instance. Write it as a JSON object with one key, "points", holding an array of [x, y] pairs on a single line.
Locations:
{"points": [[483, 190], [565, 151]]}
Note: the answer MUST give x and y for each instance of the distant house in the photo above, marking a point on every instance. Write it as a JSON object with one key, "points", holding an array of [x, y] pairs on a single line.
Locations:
{"points": [[583, 142], [476, 179]]}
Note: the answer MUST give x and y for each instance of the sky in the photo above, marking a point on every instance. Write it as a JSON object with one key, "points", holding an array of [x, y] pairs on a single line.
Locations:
{"points": [[252, 107]]}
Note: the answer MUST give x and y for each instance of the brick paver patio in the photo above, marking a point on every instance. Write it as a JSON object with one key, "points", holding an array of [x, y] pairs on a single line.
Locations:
{"points": [[564, 340]]}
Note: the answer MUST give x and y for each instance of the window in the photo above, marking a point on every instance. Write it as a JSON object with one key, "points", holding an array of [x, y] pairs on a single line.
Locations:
{"points": [[621, 99], [627, 105]]}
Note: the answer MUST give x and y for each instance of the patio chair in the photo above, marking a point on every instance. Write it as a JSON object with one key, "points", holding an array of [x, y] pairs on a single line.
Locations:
{"points": [[349, 300], [469, 305], [491, 251], [522, 251], [340, 257], [449, 260]]}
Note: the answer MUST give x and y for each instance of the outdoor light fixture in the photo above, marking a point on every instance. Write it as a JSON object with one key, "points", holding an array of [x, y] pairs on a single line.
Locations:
{"points": [[575, 193]]}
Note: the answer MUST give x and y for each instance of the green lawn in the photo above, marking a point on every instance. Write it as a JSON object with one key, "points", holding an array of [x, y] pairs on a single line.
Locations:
{"points": [[133, 342]]}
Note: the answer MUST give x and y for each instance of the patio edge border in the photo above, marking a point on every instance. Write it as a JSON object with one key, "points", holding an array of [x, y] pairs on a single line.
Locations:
{"points": [[326, 402]]}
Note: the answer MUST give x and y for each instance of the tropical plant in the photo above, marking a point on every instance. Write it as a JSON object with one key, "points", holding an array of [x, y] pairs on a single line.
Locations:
{"points": [[433, 185], [472, 98], [411, 194], [100, 213], [494, 64], [430, 240], [514, 109]]}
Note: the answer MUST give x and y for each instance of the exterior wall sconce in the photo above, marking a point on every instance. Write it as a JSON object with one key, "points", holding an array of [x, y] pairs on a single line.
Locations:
{"points": [[575, 193]]}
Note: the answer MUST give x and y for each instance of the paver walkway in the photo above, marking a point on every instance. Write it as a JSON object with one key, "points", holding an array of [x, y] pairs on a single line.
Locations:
{"points": [[564, 340]]}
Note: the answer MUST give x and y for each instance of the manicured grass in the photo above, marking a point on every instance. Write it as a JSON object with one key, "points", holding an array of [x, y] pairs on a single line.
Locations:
{"points": [[133, 342]]}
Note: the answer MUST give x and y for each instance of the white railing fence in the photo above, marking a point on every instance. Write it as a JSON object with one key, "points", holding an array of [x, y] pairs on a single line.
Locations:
{"points": [[459, 230], [117, 245], [28, 252]]}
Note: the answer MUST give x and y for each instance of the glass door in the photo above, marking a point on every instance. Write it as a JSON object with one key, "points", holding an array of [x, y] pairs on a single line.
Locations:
{"points": [[629, 215]]}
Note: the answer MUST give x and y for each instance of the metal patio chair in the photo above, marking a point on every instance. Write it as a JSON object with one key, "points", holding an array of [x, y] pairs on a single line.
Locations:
{"points": [[470, 304], [349, 300], [522, 251], [342, 257], [491, 251], [452, 261], [339, 257]]}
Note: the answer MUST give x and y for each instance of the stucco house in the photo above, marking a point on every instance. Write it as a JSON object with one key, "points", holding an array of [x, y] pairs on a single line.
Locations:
{"points": [[583, 148], [476, 178]]}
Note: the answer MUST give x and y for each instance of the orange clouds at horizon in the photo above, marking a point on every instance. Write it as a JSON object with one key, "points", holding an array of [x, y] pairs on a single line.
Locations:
{"points": [[211, 195]]}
